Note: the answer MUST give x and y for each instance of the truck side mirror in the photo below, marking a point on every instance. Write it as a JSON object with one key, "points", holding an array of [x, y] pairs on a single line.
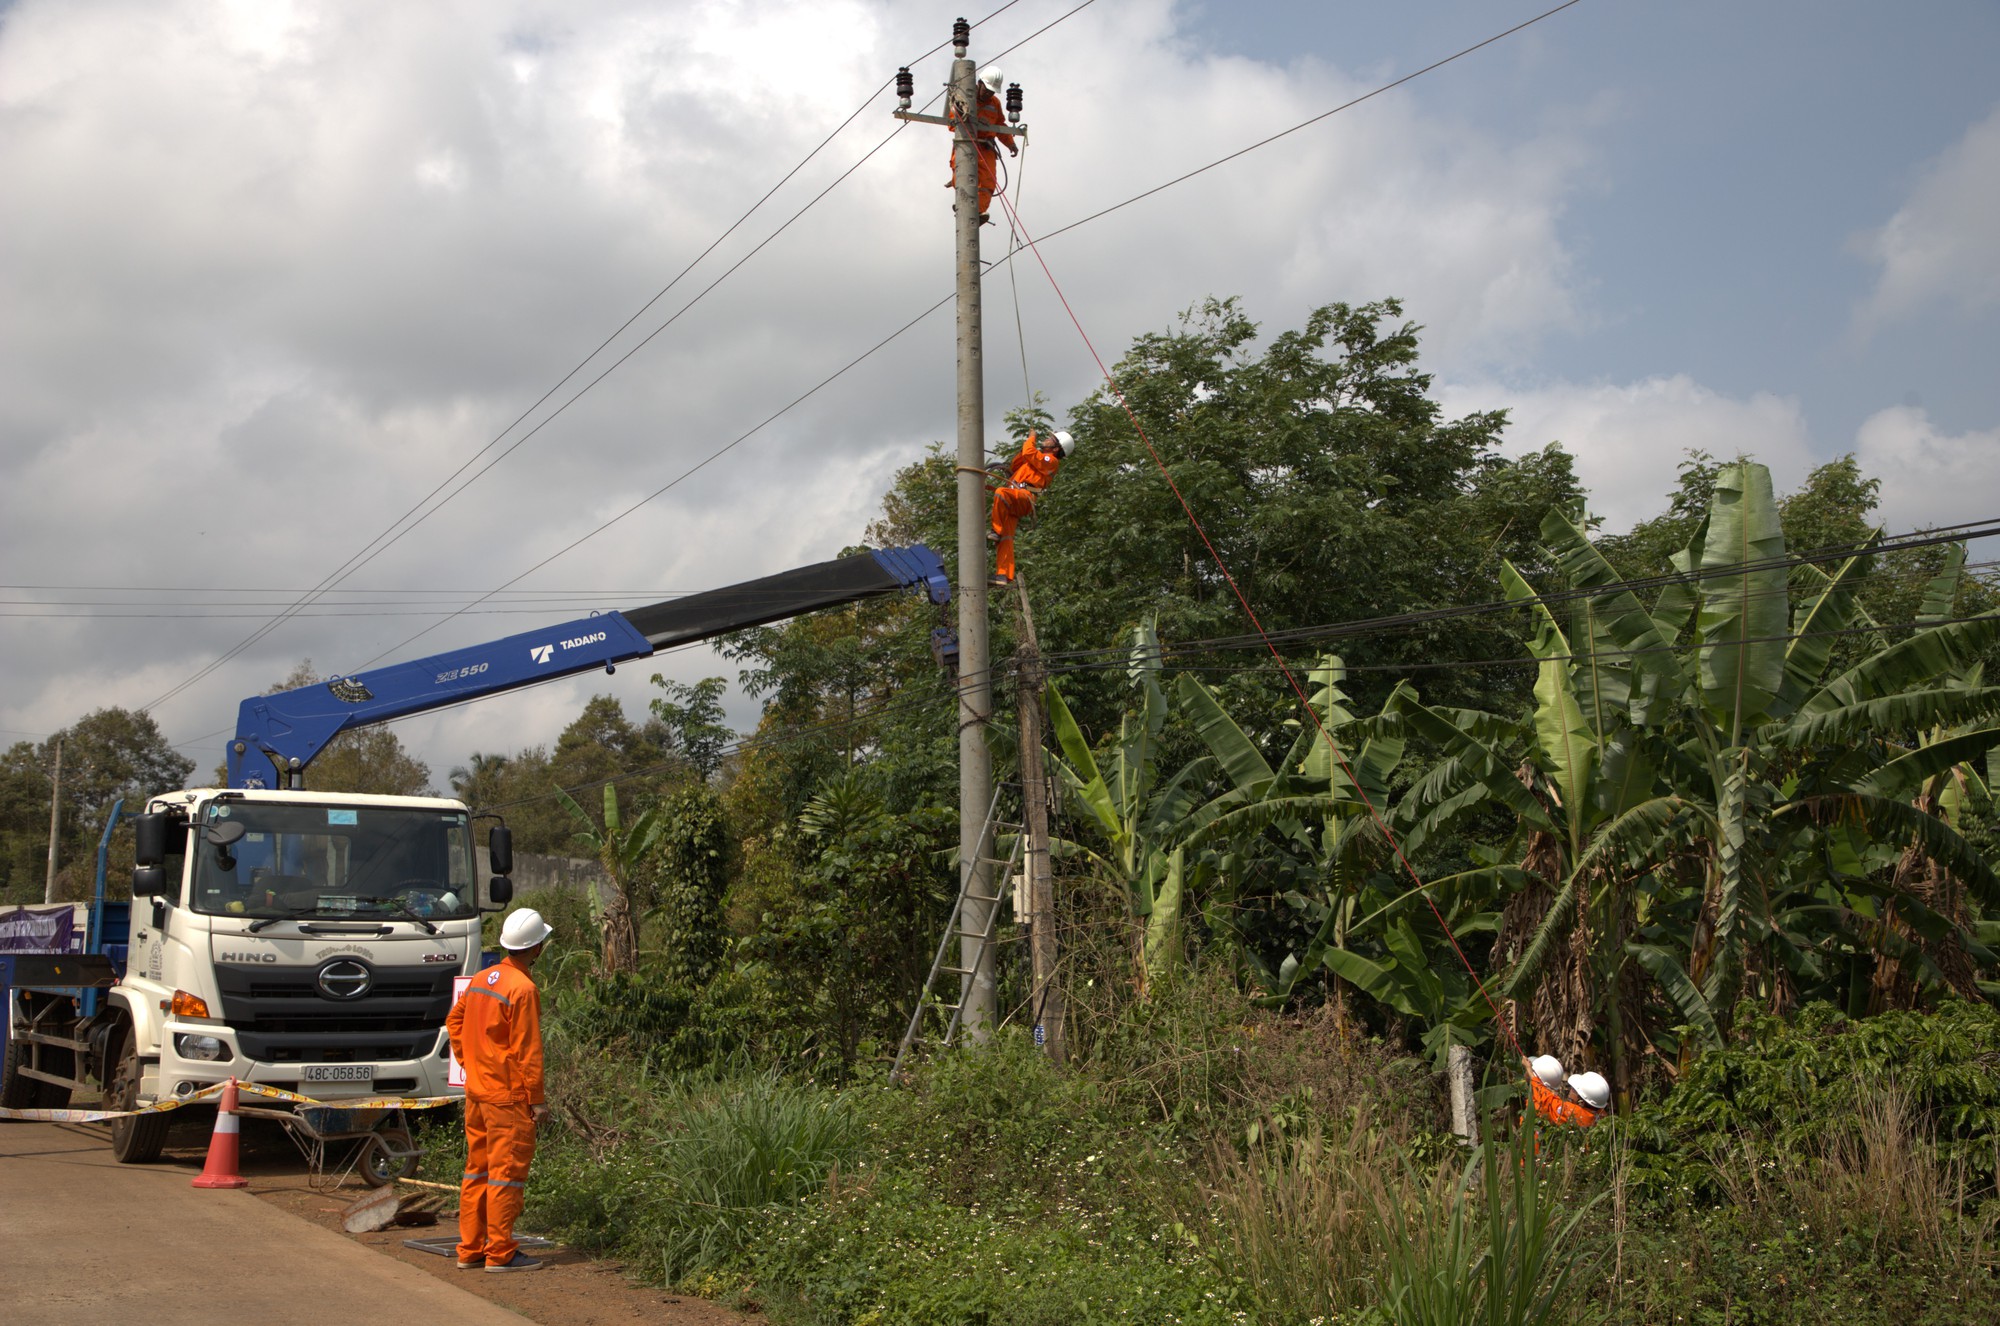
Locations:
{"points": [[149, 840], [502, 890], [500, 849], [149, 881]]}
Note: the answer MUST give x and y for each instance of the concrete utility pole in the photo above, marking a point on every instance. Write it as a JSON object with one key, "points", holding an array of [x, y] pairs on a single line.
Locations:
{"points": [[55, 825], [977, 989], [1046, 998]]}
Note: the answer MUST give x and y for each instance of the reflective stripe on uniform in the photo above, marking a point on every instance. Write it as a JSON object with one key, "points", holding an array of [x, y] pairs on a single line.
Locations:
{"points": [[490, 994], [505, 1183]]}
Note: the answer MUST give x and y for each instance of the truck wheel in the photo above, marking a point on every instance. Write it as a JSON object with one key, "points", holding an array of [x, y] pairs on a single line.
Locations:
{"points": [[136, 1138], [21, 1092], [16, 1092]]}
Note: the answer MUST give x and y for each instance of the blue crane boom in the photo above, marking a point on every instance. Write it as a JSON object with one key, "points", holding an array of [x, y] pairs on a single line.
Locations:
{"points": [[290, 727]]}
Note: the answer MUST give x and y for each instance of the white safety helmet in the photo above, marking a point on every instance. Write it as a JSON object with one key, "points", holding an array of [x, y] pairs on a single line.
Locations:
{"points": [[993, 78], [1064, 442], [1549, 1069], [523, 929], [1593, 1089]]}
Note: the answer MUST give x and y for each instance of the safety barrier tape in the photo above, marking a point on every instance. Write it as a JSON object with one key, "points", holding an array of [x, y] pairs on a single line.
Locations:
{"points": [[243, 1089]]}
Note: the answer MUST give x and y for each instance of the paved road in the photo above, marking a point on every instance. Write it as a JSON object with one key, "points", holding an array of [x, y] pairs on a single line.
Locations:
{"points": [[87, 1241]]}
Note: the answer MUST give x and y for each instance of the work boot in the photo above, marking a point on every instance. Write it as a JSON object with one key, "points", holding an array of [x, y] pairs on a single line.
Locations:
{"points": [[520, 1261], [992, 535], [1000, 581]]}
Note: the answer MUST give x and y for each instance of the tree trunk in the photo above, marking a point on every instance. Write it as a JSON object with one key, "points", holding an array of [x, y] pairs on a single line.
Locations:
{"points": [[620, 931]]}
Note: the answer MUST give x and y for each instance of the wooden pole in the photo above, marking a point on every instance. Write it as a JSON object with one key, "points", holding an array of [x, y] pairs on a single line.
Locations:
{"points": [[1036, 803]]}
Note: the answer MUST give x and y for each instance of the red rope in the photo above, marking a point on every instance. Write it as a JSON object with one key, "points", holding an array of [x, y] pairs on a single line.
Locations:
{"points": [[1250, 612]]}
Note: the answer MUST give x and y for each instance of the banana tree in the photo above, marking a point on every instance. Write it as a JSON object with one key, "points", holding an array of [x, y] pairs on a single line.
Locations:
{"points": [[1754, 751], [1139, 817], [622, 850]]}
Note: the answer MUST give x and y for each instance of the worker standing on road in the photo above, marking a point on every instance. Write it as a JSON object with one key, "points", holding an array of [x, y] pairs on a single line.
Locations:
{"points": [[989, 112], [1030, 474], [496, 1032]]}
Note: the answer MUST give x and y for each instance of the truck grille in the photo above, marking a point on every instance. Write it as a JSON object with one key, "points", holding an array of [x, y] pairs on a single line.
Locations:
{"points": [[281, 1016]]}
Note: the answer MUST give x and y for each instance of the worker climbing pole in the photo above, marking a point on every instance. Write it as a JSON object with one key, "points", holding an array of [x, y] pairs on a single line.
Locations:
{"points": [[978, 993], [1028, 476]]}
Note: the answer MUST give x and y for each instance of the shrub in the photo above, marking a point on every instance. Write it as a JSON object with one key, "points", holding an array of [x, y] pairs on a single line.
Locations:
{"points": [[1793, 1090]]}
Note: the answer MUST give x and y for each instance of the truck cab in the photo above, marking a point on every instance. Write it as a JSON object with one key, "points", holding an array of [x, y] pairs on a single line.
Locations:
{"points": [[303, 940]]}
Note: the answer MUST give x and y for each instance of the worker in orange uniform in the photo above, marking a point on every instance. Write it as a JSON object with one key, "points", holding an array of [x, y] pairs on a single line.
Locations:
{"points": [[1559, 1099], [988, 112], [1031, 474], [496, 1032]]}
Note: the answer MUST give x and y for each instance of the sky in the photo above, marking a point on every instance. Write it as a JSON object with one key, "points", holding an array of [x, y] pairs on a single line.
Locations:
{"points": [[276, 279]]}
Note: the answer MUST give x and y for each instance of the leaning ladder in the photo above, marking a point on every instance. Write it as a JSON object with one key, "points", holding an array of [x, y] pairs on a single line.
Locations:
{"points": [[955, 930]]}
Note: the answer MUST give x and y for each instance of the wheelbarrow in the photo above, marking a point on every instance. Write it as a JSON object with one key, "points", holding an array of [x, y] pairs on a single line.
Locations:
{"points": [[382, 1151]]}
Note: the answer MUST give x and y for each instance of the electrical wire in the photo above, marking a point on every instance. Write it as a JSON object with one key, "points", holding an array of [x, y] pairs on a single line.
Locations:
{"points": [[376, 546], [1167, 655], [1430, 616], [922, 316]]}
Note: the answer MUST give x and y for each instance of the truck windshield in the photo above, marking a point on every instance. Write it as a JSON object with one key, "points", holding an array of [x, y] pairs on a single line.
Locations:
{"points": [[336, 861]]}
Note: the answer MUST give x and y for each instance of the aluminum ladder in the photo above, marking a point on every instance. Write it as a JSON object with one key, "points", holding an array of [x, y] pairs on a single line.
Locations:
{"points": [[954, 929]]}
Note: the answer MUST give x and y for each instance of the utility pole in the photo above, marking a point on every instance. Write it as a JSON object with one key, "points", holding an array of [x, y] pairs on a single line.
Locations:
{"points": [[978, 992], [55, 825], [1046, 998]]}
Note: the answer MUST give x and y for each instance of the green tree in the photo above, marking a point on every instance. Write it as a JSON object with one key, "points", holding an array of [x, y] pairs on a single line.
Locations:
{"points": [[692, 716], [691, 865]]}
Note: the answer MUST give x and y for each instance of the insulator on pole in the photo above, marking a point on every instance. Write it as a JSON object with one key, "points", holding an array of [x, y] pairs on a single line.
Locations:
{"points": [[906, 88], [961, 37], [1013, 103]]}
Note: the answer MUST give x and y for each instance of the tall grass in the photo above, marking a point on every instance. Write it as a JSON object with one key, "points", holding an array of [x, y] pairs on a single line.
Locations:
{"points": [[1339, 1222], [681, 1181], [1295, 1218], [744, 1150]]}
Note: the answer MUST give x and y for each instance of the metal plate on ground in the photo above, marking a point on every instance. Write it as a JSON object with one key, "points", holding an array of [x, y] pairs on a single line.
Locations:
{"points": [[449, 1247]]}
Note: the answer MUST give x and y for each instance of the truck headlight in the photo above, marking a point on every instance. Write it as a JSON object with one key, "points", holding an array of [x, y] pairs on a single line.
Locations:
{"points": [[202, 1049]]}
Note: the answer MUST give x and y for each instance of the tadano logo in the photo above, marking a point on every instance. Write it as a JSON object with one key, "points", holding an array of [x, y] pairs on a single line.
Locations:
{"points": [[582, 640], [542, 653]]}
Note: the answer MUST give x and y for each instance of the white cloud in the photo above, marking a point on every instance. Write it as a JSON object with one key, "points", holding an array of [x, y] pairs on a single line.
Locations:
{"points": [[1630, 439], [271, 272], [1943, 245], [1928, 477]]}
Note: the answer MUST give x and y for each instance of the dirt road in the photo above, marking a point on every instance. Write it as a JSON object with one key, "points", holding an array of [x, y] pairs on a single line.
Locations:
{"points": [[90, 1241]]}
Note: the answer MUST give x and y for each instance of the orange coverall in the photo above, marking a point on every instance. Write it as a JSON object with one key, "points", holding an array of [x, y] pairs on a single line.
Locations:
{"points": [[1034, 469], [1555, 1109], [989, 112], [496, 1032]]}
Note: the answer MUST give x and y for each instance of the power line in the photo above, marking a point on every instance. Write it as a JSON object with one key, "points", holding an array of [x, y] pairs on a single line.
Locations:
{"points": [[1424, 617], [391, 534], [1008, 259], [547, 603], [1167, 655]]}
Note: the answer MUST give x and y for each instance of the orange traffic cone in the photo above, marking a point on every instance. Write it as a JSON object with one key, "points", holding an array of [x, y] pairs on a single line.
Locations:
{"points": [[220, 1171]]}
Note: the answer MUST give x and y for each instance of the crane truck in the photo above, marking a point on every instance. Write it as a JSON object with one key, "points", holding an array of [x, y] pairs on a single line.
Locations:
{"points": [[308, 940]]}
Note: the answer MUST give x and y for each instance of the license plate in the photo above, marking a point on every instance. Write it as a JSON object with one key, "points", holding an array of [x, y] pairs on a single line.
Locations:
{"points": [[339, 1073]]}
